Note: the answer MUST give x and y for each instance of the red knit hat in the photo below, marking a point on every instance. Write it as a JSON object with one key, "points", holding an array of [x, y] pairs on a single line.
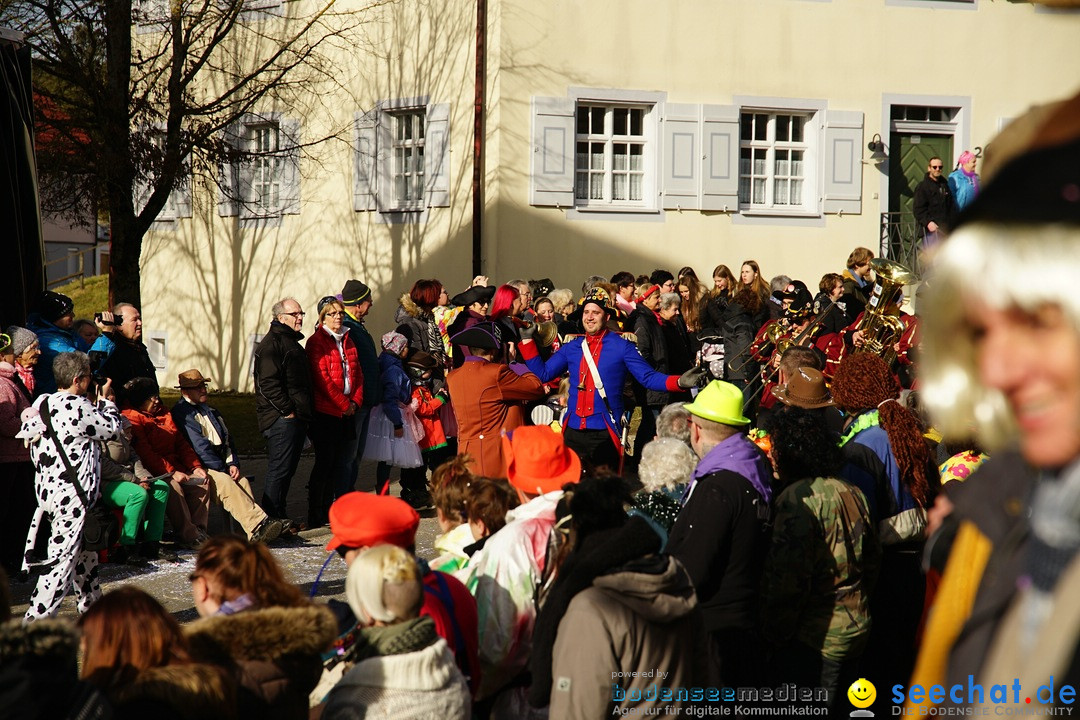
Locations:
{"points": [[360, 519]]}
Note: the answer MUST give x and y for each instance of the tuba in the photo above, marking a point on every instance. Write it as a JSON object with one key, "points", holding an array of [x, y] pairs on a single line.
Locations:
{"points": [[881, 328]]}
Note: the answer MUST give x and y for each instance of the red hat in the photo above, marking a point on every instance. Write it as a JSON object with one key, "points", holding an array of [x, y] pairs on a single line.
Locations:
{"points": [[538, 461], [360, 519]]}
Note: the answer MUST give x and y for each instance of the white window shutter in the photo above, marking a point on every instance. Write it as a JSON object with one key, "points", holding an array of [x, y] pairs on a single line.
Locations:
{"points": [[720, 148], [289, 139], [681, 156], [229, 177], [364, 161], [437, 155], [384, 182], [841, 161], [552, 176]]}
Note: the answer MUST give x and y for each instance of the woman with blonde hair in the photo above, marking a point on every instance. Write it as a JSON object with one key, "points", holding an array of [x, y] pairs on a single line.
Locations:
{"points": [[258, 627], [338, 390], [400, 668]]}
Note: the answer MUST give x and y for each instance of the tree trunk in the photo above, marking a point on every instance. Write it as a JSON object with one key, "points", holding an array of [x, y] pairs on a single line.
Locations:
{"points": [[124, 285]]}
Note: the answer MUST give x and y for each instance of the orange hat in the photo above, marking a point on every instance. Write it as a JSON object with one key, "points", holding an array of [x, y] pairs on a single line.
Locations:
{"points": [[538, 461], [360, 519]]}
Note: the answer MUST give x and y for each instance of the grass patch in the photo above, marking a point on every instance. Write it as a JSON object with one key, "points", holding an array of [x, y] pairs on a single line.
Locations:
{"points": [[92, 297], [238, 409]]}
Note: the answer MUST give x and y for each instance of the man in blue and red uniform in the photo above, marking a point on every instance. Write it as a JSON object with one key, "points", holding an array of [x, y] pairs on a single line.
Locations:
{"points": [[592, 425]]}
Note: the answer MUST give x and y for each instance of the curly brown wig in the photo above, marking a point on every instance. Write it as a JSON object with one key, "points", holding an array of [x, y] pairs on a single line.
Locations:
{"points": [[864, 382]]}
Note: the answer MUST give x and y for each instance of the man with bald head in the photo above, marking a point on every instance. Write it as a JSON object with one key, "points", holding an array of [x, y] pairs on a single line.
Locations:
{"points": [[283, 400]]}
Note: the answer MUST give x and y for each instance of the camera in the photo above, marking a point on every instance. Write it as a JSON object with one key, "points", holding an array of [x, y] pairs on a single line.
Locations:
{"points": [[97, 359], [98, 318]]}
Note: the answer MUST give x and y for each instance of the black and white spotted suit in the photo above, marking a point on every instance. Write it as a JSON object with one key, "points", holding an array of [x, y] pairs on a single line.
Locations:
{"points": [[80, 426]]}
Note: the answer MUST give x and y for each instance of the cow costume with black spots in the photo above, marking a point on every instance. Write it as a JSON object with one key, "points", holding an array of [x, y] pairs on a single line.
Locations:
{"points": [[80, 426]]}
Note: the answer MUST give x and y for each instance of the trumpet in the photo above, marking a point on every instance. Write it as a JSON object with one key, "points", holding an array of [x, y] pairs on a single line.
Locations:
{"points": [[769, 336]]}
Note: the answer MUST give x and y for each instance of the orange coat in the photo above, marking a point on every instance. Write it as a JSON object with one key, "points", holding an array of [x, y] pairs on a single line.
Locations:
{"points": [[487, 399]]}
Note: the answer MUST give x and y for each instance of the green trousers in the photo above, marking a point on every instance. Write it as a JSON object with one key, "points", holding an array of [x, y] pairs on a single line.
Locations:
{"points": [[143, 510]]}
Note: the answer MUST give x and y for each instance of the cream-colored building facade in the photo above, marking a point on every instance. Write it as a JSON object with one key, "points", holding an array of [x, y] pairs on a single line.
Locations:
{"points": [[619, 135]]}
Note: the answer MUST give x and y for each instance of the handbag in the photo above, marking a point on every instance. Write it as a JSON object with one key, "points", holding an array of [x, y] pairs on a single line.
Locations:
{"points": [[101, 530]]}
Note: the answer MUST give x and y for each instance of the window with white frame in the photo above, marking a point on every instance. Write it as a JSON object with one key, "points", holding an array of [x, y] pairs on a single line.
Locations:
{"points": [[264, 181], [408, 157], [610, 158], [264, 142], [402, 159], [773, 151]]}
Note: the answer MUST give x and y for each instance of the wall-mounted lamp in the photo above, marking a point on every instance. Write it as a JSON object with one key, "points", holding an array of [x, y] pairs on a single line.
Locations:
{"points": [[877, 149]]}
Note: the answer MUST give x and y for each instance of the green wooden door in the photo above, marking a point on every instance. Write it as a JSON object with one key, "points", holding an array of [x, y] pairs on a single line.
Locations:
{"points": [[909, 155]]}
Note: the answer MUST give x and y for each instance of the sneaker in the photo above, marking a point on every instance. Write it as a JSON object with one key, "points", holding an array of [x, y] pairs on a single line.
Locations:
{"points": [[267, 531]]}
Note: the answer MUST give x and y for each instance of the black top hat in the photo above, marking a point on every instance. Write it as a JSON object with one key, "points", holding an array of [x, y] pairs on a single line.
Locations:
{"points": [[487, 335], [477, 293]]}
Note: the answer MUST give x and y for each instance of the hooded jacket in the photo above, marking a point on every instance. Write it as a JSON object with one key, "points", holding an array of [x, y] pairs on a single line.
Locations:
{"points": [[368, 357], [419, 328], [640, 618], [39, 674], [273, 653], [53, 341], [12, 403]]}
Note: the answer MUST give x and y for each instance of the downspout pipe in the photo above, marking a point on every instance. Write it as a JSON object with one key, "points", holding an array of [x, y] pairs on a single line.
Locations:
{"points": [[478, 137]]}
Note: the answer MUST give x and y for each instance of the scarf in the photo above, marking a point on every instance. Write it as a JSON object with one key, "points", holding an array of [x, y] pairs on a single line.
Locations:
{"points": [[339, 338], [27, 376], [740, 456], [1055, 540], [595, 343], [397, 639]]}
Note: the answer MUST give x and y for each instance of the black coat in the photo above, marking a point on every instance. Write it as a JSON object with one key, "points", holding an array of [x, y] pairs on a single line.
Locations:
{"points": [[738, 328], [934, 202], [282, 377], [721, 537], [128, 360], [652, 345]]}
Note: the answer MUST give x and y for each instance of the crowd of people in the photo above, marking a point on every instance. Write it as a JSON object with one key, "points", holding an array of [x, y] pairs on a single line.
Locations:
{"points": [[786, 512]]}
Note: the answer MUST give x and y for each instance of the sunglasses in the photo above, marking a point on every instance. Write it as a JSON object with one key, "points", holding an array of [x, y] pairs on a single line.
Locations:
{"points": [[936, 167]]}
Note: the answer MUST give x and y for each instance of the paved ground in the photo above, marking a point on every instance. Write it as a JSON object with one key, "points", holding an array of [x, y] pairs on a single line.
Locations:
{"points": [[301, 559]]}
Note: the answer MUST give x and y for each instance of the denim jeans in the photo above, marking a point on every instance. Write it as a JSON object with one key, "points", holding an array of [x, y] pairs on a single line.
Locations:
{"points": [[284, 442]]}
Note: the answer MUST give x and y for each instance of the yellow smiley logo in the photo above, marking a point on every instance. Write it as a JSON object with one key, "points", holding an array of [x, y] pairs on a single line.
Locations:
{"points": [[862, 693]]}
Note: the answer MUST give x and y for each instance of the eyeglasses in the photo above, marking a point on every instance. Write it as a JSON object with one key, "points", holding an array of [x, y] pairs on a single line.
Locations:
{"points": [[295, 314], [335, 314], [936, 167]]}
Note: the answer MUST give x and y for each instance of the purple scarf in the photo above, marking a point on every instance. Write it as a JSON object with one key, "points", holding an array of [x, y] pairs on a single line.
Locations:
{"points": [[742, 457]]}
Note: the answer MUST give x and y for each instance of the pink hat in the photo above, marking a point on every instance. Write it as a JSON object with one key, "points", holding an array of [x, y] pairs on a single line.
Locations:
{"points": [[965, 157]]}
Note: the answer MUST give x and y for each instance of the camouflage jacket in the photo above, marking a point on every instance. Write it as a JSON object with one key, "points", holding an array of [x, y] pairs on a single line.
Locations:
{"points": [[820, 569]]}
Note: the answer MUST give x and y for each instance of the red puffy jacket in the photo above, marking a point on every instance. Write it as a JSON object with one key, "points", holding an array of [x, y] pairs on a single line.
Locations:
{"points": [[328, 373], [161, 446]]}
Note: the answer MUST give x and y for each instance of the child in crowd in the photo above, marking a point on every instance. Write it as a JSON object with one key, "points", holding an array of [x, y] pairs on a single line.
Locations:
{"points": [[450, 485], [393, 432], [488, 501], [428, 406]]}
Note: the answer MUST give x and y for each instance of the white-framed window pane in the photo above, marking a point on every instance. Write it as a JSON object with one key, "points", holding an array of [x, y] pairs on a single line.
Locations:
{"points": [[610, 152], [408, 153], [771, 159], [619, 187]]}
